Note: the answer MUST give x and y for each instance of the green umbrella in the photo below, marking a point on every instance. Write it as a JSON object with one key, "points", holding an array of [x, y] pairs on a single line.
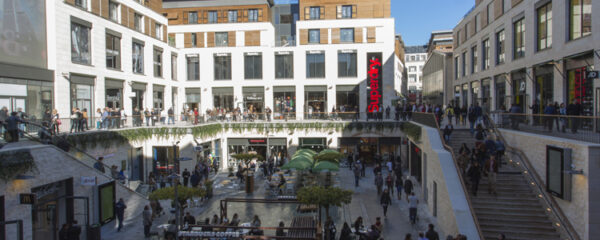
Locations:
{"points": [[304, 158], [308, 151], [329, 155], [326, 165], [297, 164], [304, 154]]}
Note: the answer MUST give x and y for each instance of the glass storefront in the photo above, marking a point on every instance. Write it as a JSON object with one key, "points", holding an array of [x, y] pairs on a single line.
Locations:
{"points": [[485, 94], [114, 93], [158, 97], [82, 92], [192, 98], [284, 102], [276, 147], [347, 100], [500, 92], [580, 89], [164, 159], [315, 144], [368, 148], [475, 93], [223, 97], [519, 96], [465, 95], [137, 100], [544, 86], [254, 101], [32, 97], [456, 100], [315, 102]]}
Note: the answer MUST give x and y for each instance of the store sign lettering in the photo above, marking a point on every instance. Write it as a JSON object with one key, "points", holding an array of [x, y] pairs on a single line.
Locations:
{"points": [[374, 85]]}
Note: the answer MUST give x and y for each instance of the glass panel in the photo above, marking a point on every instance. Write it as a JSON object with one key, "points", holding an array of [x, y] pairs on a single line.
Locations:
{"points": [[138, 57], [232, 16], [221, 39], [193, 68], [253, 15], [284, 66], [222, 67], [314, 36], [347, 35], [284, 105], [253, 67], [347, 11], [315, 65], [174, 67], [113, 11], [193, 17], [212, 17], [315, 104], [315, 13], [113, 52], [500, 47], [346, 64]]}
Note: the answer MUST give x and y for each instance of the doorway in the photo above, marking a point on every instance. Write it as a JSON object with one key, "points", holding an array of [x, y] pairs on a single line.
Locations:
{"points": [[45, 221], [137, 164], [415, 162]]}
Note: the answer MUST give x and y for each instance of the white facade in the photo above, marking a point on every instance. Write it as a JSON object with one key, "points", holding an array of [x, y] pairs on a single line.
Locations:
{"points": [[60, 15], [414, 70]]}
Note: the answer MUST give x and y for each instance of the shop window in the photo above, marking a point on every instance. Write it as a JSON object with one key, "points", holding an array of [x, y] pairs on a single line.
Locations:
{"points": [[347, 64], [315, 65], [253, 66], [222, 66], [80, 44], [284, 66], [113, 51], [137, 56]]}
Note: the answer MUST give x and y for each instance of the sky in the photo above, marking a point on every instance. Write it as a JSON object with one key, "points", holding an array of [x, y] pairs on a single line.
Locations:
{"points": [[416, 19]]}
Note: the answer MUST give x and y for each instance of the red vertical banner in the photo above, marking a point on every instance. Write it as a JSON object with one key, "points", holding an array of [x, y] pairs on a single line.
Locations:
{"points": [[374, 86]]}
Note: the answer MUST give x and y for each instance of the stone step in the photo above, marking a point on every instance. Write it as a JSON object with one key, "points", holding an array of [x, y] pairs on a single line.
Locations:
{"points": [[509, 198], [511, 215], [500, 203], [494, 219], [523, 234], [506, 209], [509, 226]]}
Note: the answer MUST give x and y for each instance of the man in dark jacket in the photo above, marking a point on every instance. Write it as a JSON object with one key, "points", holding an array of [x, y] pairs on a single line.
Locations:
{"points": [[186, 177], [170, 116], [12, 126], [74, 231], [574, 109], [432, 234], [120, 211]]}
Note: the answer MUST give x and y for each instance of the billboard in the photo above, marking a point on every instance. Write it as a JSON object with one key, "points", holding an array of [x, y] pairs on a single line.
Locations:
{"points": [[374, 84], [23, 32], [106, 208]]}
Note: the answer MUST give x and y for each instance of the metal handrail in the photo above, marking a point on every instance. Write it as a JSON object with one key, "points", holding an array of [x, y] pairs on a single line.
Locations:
{"points": [[565, 224], [460, 177]]}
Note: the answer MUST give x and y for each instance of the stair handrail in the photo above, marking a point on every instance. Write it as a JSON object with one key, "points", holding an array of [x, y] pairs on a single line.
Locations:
{"points": [[84, 153], [564, 222], [460, 176]]}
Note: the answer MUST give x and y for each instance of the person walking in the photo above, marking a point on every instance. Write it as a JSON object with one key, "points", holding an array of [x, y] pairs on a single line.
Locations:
{"points": [[574, 109], [147, 220], [413, 202], [448, 131], [548, 118], [472, 118], [432, 234], [63, 232], [74, 231], [120, 211], [408, 187], [389, 182], [379, 183], [356, 174], [363, 168], [399, 185], [385, 201], [186, 177], [474, 174], [491, 170], [329, 229]]}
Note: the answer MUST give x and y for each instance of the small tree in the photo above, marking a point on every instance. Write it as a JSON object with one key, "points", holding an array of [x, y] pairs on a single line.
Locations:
{"points": [[183, 194], [324, 196]]}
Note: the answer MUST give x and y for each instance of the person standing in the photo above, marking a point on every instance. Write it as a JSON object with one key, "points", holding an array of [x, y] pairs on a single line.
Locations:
{"points": [[356, 174], [432, 234], [329, 229], [74, 231], [98, 164], [268, 111], [74, 121], [170, 116], [389, 182], [399, 185], [549, 119], [574, 109], [363, 168], [472, 118], [408, 187], [413, 202], [120, 211], [84, 120], [147, 115], [491, 169], [385, 201], [12, 126], [474, 175], [186, 177], [448, 131], [147, 220]]}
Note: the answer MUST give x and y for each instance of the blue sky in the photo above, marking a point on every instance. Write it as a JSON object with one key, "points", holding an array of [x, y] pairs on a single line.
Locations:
{"points": [[416, 19]]}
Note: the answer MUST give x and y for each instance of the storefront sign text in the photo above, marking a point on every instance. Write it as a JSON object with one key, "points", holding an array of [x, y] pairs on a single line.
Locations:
{"points": [[374, 84]]}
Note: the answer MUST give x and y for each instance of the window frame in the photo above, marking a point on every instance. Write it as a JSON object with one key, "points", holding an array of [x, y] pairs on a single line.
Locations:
{"points": [[110, 13], [89, 44], [140, 57], [257, 71], [314, 73], [350, 70], [547, 29], [253, 15], [571, 34], [83, 4], [318, 39], [196, 68], [117, 57], [157, 63], [284, 63], [223, 60], [519, 37], [474, 59], [219, 43], [158, 31], [316, 10], [351, 35], [344, 11], [138, 22], [500, 55], [174, 67], [232, 14], [213, 17], [194, 19], [485, 52]]}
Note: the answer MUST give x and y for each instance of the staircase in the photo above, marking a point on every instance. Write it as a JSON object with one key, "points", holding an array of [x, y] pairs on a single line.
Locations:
{"points": [[516, 211]]}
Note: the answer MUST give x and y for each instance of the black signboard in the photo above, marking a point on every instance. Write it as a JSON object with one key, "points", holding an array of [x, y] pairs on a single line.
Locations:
{"points": [[374, 83], [27, 198]]}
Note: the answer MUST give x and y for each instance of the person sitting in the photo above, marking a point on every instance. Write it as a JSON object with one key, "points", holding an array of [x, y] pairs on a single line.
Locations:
{"points": [[256, 223], [346, 232], [189, 219], [235, 221], [171, 230], [358, 224]]}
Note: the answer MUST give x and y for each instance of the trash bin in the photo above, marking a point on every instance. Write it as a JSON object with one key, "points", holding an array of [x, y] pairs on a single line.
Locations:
{"points": [[250, 183], [93, 232]]}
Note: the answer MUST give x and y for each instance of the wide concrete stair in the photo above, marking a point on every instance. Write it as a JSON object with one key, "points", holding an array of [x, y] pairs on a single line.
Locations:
{"points": [[515, 211]]}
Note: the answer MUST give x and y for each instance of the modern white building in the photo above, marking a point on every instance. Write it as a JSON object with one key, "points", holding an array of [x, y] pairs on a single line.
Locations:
{"points": [[415, 59]]}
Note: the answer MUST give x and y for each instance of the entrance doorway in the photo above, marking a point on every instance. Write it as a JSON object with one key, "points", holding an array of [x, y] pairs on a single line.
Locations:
{"points": [[137, 164], [164, 159], [51, 209], [415, 161]]}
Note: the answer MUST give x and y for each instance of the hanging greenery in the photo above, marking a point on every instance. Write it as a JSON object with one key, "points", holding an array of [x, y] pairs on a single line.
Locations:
{"points": [[412, 130], [14, 163]]}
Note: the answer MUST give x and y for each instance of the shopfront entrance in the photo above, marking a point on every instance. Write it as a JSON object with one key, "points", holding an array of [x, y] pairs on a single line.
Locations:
{"points": [[51, 209], [315, 102], [254, 101], [415, 161], [369, 148], [580, 88], [137, 96], [519, 96], [32, 97], [164, 159], [82, 92], [114, 93], [276, 147]]}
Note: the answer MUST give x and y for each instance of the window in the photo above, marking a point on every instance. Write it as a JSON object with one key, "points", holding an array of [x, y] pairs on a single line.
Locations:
{"points": [[407, 58], [412, 78], [473, 59], [314, 36], [489, 12], [286, 19], [315, 13], [192, 17], [158, 31], [157, 62], [456, 68], [580, 18], [486, 54], [346, 11], [412, 69], [519, 39], [222, 67], [80, 44], [221, 39], [412, 58], [138, 22], [212, 16], [463, 66], [253, 15], [113, 51], [347, 35], [232, 16], [193, 68], [137, 55], [253, 66], [81, 3], [113, 11], [284, 66], [174, 67], [544, 26], [476, 22], [347, 64], [500, 47], [194, 40], [315, 65]]}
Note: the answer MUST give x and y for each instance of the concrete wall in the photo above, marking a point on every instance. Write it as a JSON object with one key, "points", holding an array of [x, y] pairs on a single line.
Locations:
{"points": [[453, 213], [54, 165], [583, 209]]}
